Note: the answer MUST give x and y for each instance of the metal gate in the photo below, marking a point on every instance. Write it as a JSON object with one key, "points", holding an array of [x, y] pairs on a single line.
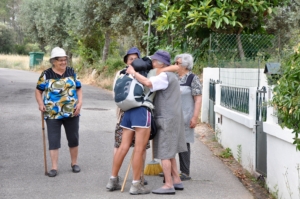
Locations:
{"points": [[212, 101], [261, 137]]}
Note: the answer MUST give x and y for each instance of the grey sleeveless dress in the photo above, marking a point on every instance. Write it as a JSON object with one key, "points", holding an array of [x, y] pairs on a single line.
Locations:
{"points": [[170, 138], [188, 106]]}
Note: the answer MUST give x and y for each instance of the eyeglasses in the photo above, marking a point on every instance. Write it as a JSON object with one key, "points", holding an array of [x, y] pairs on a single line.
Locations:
{"points": [[62, 60], [178, 63]]}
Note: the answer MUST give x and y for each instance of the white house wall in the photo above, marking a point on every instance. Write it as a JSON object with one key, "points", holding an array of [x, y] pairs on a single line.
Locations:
{"points": [[282, 158], [208, 73], [282, 163], [236, 130], [234, 135]]}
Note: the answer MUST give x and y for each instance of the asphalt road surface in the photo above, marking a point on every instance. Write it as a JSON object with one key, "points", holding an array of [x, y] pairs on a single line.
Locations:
{"points": [[22, 160]]}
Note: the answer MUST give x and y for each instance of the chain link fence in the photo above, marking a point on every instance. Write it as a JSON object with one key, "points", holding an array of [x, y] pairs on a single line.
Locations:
{"points": [[237, 55]]}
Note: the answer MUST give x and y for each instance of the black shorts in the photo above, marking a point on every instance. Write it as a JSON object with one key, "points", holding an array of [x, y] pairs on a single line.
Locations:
{"points": [[71, 126]]}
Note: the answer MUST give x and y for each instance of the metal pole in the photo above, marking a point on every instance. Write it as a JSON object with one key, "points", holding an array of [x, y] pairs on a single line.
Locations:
{"points": [[258, 73], [149, 27]]}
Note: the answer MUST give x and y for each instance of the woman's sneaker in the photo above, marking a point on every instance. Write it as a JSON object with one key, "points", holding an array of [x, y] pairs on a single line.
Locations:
{"points": [[184, 177], [138, 188], [113, 184]]}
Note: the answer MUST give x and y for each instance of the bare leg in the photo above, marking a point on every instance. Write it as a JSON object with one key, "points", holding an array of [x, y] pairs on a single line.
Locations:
{"points": [[174, 171], [141, 139], [143, 166], [54, 158], [167, 168], [115, 150], [74, 155], [122, 151]]}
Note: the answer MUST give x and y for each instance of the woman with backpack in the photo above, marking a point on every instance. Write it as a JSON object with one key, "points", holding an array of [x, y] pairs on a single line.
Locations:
{"points": [[131, 131]]}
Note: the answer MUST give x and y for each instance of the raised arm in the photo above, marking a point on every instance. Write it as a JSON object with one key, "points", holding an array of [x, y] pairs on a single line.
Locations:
{"points": [[143, 80], [171, 68]]}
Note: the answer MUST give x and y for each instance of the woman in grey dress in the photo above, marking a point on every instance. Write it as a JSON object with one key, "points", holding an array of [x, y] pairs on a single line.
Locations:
{"points": [[191, 98]]}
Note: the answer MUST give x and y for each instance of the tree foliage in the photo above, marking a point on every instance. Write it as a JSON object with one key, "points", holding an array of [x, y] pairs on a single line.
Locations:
{"points": [[189, 22], [47, 22], [287, 96], [6, 39], [114, 18], [219, 15]]}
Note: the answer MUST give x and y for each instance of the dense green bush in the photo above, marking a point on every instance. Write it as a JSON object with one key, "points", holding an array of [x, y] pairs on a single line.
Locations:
{"points": [[107, 69], [25, 49], [286, 97]]}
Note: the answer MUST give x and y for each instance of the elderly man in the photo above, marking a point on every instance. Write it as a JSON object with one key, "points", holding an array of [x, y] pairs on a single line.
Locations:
{"points": [[170, 138]]}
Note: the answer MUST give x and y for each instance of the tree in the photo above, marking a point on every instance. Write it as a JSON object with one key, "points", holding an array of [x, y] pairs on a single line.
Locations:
{"points": [[189, 18], [47, 22], [4, 11], [6, 39], [114, 18]]}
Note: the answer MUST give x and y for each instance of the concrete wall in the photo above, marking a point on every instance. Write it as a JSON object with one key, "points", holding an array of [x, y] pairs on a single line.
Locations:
{"points": [[235, 129], [283, 161], [208, 73]]}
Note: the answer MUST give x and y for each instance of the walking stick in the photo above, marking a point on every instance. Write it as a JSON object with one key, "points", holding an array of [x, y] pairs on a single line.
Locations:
{"points": [[126, 175], [44, 143]]}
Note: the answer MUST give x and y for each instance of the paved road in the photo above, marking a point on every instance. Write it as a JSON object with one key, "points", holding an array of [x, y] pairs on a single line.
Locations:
{"points": [[21, 151]]}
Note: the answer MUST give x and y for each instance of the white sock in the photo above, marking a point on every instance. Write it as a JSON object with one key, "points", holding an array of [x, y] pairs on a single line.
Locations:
{"points": [[113, 177], [135, 181]]}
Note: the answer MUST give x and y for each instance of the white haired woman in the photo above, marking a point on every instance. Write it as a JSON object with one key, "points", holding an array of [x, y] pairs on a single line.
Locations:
{"points": [[191, 98]]}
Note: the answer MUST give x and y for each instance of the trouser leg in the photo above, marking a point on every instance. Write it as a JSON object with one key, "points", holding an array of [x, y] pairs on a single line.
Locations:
{"points": [[184, 160]]}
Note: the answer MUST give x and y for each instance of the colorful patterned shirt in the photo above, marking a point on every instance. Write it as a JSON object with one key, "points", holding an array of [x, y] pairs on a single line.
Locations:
{"points": [[60, 95]]}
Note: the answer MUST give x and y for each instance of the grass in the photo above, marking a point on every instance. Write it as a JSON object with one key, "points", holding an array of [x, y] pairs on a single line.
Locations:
{"points": [[14, 61], [226, 153], [20, 62]]}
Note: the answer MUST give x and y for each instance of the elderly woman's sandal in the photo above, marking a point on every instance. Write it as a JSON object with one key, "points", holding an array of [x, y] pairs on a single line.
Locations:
{"points": [[52, 173]]}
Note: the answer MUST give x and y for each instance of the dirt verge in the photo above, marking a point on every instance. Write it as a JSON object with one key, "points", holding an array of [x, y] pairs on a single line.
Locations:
{"points": [[255, 185]]}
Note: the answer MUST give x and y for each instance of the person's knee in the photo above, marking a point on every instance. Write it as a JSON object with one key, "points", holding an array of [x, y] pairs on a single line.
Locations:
{"points": [[54, 144], [73, 143], [123, 148]]}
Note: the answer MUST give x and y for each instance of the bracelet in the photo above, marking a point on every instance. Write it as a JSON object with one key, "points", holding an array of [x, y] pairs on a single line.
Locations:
{"points": [[133, 75]]}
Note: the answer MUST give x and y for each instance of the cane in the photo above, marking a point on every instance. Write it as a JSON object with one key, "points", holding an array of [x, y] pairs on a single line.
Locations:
{"points": [[126, 175], [44, 143]]}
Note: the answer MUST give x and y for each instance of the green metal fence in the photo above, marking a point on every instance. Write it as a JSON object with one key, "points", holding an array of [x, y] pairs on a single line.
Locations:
{"points": [[235, 98]]}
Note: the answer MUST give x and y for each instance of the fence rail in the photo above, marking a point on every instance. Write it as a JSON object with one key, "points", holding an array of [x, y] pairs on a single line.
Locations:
{"points": [[235, 98]]}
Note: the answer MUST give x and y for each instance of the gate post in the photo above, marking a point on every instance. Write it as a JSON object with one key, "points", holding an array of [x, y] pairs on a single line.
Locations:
{"points": [[261, 137]]}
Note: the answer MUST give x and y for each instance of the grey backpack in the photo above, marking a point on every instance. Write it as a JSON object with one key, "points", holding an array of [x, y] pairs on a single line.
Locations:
{"points": [[129, 93]]}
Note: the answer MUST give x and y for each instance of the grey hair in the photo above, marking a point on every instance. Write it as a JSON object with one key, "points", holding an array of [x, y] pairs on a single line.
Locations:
{"points": [[51, 61], [160, 63], [187, 60]]}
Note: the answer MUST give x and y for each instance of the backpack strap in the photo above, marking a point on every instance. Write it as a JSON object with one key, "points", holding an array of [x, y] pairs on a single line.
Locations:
{"points": [[147, 95], [189, 80]]}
